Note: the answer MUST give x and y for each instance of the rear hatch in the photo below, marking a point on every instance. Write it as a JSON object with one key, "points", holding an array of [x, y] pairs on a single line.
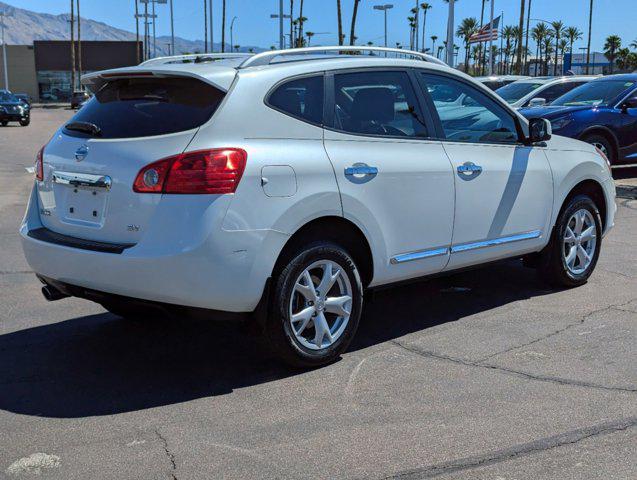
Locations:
{"points": [[91, 163]]}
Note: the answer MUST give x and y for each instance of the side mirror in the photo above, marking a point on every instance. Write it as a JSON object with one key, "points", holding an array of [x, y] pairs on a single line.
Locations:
{"points": [[537, 102], [539, 130], [628, 104]]}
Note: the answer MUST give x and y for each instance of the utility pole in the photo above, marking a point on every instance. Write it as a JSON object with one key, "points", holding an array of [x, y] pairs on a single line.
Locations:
{"points": [[79, 47], [4, 54], [417, 30], [450, 25], [137, 31], [172, 28], [146, 30], [154, 37], [212, 37], [281, 16], [491, 56], [72, 46], [384, 8]]}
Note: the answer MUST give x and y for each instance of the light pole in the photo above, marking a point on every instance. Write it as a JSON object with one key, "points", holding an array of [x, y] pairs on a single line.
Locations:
{"points": [[231, 35], [450, 25], [281, 16], [4, 54], [172, 29], [491, 56], [384, 9]]}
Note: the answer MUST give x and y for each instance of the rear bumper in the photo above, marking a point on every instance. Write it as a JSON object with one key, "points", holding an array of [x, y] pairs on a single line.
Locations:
{"points": [[195, 263]]}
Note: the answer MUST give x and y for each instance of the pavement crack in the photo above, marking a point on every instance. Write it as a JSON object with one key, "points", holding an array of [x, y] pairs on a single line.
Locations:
{"points": [[581, 321], [510, 371], [169, 454], [521, 450]]}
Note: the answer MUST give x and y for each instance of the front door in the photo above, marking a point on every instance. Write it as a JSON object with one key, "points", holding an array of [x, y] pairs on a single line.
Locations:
{"points": [[504, 189], [395, 182]]}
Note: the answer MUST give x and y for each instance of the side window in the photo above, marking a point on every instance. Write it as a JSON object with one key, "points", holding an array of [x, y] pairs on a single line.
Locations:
{"points": [[301, 98], [558, 90], [377, 103], [477, 119]]}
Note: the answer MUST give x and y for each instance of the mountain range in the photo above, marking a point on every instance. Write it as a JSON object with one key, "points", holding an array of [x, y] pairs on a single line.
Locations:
{"points": [[22, 27]]}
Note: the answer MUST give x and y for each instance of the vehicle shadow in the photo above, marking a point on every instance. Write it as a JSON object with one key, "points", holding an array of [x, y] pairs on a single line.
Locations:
{"points": [[102, 365]]}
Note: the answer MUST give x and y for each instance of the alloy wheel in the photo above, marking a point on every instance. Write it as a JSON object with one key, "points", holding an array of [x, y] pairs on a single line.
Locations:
{"points": [[320, 305], [579, 242]]}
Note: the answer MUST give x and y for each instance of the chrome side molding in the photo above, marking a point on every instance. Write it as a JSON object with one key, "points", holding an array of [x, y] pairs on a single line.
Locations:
{"points": [[82, 180], [421, 254], [409, 257], [496, 241]]}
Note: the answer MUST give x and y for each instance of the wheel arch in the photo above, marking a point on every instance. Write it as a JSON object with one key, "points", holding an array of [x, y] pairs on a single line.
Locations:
{"points": [[606, 133], [593, 189], [338, 230]]}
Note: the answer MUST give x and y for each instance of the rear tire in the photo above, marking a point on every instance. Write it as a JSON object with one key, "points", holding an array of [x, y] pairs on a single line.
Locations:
{"points": [[25, 123], [308, 327], [571, 256]]}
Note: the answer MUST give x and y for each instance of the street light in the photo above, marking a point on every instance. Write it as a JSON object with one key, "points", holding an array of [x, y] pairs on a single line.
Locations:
{"points": [[384, 9], [450, 30], [231, 37]]}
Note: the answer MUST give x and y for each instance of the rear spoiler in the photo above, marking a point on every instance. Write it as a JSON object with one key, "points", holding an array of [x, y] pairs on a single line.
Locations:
{"points": [[218, 78]]}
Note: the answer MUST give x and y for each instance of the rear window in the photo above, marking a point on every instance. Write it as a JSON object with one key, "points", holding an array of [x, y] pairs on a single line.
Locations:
{"points": [[144, 107]]}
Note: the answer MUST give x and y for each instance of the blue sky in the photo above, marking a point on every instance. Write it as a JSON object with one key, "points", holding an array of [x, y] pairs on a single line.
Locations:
{"points": [[254, 27]]}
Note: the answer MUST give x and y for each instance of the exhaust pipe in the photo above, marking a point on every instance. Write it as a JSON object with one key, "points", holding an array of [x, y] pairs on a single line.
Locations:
{"points": [[52, 294]]}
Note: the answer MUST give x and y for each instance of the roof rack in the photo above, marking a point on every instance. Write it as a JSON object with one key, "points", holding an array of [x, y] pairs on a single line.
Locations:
{"points": [[265, 58], [195, 58]]}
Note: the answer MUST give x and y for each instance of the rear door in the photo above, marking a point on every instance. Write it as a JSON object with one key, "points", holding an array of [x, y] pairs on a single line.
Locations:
{"points": [[91, 163], [395, 181], [504, 189]]}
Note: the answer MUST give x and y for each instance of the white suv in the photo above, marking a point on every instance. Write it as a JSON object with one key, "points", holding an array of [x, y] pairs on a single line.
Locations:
{"points": [[286, 184]]}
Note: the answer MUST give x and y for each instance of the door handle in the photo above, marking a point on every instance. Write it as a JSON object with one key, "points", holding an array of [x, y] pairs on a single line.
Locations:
{"points": [[83, 180], [469, 168], [361, 170]]}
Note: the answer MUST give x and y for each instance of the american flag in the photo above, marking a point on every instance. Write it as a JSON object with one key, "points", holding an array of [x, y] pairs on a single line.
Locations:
{"points": [[487, 32]]}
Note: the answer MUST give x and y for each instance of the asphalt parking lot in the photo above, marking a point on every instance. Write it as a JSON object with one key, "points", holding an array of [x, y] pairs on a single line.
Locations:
{"points": [[482, 375]]}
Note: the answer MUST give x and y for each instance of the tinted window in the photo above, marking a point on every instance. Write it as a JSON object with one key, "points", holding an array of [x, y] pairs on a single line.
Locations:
{"points": [[142, 107], [494, 84], [477, 119], [515, 91], [556, 91], [377, 103], [598, 92], [302, 98]]}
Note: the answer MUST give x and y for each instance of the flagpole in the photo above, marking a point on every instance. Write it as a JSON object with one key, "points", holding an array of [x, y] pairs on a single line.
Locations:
{"points": [[491, 39], [501, 44]]}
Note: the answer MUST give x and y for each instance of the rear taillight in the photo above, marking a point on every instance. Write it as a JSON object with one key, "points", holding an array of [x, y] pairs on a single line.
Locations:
{"points": [[39, 165], [214, 171]]}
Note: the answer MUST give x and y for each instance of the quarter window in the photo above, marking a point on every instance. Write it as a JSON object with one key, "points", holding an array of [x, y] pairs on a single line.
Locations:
{"points": [[301, 98], [477, 118], [377, 103]]}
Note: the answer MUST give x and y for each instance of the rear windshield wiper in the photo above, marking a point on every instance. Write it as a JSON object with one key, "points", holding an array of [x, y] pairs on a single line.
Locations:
{"points": [[84, 127]]}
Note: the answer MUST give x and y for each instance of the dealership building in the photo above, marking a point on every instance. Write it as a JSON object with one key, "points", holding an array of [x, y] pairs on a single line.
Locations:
{"points": [[43, 70]]}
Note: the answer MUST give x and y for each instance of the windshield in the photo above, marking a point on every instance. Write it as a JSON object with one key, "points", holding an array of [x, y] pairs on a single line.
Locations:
{"points": [[515, 91], [8, 97], [600, 92]]}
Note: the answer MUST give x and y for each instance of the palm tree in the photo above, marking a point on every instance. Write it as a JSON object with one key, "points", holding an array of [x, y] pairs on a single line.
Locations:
{"points": [[548, 51], [465, 30], [300, 41], [414, 28], [634, 44], [526, 42], [412, 31], [518, 66], [590, 32], [508, 33], [433, 39], [573, 34], [613, 43], [425, 6], [340, 22], [352, 35], [237, 47], [623, 55], [309, 36], [223, 26], [558, 30], [517, 40], [302, 20]]}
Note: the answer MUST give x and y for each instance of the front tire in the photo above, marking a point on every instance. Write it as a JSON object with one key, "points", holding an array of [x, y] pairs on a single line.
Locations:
{"points": [[315, 306], [4, 123], [571, 256], [25, 123], [603, 144]]}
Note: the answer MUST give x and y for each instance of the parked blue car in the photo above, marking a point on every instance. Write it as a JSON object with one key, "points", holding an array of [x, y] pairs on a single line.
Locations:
{"points": [[602, 112]]}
